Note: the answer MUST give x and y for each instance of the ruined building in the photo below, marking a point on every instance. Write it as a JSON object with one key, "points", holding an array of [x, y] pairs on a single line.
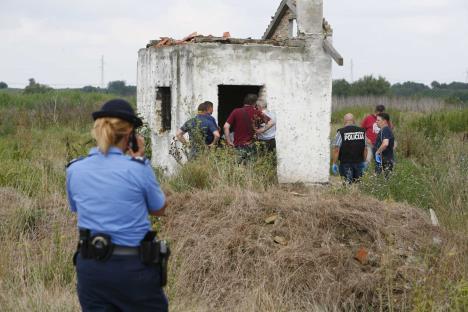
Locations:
{"points": [[290, 67]]}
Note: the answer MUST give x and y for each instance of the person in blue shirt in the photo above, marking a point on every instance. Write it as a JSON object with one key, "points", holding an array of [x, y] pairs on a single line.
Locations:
{"points": [[202, 130], [113, 191], [384, 146]]}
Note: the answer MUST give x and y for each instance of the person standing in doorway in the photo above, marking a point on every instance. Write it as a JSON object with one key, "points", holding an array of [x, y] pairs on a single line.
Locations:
{"points": [[267, 137], [350, 150], [384, 156], [244, 121]]}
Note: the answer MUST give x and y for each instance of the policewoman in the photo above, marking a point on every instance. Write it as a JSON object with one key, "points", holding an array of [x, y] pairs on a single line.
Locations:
{"points": [[113, 191]]}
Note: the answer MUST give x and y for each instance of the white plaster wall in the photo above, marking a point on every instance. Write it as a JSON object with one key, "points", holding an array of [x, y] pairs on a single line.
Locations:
{"points": [[157, 70], [298, 89]]}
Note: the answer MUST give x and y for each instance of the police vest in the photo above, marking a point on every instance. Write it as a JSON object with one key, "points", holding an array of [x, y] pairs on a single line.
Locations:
{"points": [[353, 143]]}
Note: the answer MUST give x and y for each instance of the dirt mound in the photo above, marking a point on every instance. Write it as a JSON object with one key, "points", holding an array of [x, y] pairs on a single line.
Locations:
{"points": [[323, 251]]}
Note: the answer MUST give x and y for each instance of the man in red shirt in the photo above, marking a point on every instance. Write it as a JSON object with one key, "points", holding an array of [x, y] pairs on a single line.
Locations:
{"points": [[369, 123], [245, 122]]}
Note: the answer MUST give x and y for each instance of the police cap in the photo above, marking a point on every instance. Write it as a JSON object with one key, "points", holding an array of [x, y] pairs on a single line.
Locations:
{"points": [[118, 108]]}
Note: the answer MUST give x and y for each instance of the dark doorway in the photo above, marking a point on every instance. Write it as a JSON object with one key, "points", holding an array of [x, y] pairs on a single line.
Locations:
{"points": [[231, 97]]}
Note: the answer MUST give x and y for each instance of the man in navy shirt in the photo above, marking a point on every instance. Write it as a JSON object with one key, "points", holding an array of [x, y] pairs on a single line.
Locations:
{"points": [[384, 145], [202, 130]]}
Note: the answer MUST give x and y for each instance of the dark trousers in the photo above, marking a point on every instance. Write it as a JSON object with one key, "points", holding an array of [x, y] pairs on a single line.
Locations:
{"points": [[245, 153], [386, 167], [268, 145], [122, 283], [352, 172]]}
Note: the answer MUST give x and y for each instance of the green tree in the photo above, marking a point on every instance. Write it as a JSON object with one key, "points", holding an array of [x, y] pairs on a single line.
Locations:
{"points": [[35, 87], [409, 88], [3, 85], [90, 89], [368, 85], [435, 84], [341, 87], [119, 87]]}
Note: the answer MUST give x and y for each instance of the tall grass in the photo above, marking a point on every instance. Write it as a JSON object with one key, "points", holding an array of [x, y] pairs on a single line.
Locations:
{"points": [[400, 103], [40, 133], [221, 167]]}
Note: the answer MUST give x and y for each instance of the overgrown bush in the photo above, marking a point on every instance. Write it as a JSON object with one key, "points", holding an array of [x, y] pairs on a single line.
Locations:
{"points": [[221, 167]]}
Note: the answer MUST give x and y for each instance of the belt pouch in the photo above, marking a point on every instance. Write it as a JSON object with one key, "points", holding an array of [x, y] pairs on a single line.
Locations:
{"points": [[83, 245], [101, 247], [149, 249]]}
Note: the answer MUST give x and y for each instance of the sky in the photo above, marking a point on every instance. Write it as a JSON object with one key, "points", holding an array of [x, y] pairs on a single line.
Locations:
{"points": [[60, 43]]}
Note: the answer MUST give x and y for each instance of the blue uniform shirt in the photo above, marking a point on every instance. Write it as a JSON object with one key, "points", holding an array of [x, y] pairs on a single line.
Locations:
{"points": [[205, 122], [113, 194]]}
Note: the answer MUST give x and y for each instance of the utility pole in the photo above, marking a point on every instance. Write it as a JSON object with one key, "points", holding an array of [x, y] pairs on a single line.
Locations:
{"points": [[102, 72], [466, 79], [352, 71]]}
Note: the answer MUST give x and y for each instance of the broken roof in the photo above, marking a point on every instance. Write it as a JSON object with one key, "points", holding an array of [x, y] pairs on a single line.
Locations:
{"points": [[226, 39], [283, 8]]}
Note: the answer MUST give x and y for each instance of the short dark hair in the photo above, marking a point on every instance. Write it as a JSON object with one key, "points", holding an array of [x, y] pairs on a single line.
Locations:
{"points": [[203, 107], [380, 108], [384, 116], [250, 99], [208, 104]]}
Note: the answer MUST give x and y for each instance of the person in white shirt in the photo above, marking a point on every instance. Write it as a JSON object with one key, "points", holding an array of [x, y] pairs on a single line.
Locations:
{"points": [[264, 135]]}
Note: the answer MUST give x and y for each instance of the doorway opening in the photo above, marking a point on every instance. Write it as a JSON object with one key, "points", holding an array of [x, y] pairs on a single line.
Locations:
{"points": [[231, 97]]}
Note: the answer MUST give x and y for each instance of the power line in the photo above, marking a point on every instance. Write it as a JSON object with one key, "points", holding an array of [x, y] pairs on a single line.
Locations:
{"points": [[102, 71]]}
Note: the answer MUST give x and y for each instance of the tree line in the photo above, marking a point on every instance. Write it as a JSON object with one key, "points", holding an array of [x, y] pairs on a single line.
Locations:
{"points": [[118, 87], [454, 93]]}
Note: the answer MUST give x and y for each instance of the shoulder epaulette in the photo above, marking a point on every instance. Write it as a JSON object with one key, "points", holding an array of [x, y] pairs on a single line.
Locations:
{"points": [[74, 161], [141, 160]]}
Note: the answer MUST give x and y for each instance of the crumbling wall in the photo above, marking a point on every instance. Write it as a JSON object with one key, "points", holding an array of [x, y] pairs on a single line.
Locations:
{"points": [[297, 86], [283, 29]]}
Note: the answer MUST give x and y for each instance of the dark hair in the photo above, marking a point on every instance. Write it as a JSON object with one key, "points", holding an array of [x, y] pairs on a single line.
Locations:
{"points": [[203, 107], [380, 108], [384, 116], [208, 104], [250, 99]]}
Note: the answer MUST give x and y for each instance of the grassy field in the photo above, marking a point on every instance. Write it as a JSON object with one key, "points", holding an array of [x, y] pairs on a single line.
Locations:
{"points": [[224, 256]]}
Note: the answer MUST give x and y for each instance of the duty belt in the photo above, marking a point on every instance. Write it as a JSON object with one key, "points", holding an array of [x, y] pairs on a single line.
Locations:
{"points": [[100, 247], [125, 251]]}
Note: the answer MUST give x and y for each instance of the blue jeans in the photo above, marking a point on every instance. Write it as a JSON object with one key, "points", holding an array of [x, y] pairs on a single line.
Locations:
{"points": [[122, 283], [352, 172]]}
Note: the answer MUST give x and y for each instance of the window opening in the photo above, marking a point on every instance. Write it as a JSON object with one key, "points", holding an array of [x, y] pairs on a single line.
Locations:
{"points": [[163, 97], [294, 28]]}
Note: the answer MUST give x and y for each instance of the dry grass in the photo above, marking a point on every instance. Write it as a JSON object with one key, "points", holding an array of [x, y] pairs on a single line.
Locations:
{"points": [[37, 238], [225, 258]]}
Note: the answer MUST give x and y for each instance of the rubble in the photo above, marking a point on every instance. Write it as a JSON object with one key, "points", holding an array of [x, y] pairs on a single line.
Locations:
{"points": [[226, 38]]}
